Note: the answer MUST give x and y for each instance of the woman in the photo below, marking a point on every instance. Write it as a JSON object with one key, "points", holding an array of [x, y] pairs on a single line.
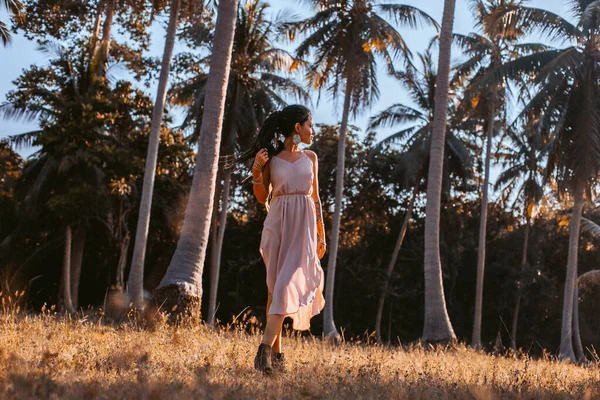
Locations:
{"points": [[293, 237]]}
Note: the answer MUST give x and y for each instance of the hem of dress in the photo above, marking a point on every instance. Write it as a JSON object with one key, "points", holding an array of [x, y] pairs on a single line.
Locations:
{"points": [[314, 296]]}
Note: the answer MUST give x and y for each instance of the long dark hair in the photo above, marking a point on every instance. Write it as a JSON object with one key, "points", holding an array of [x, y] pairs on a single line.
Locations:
{"points": [[279, 125]]}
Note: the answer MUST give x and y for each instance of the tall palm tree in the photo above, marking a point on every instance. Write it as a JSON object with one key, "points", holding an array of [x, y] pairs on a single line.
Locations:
{"points": [[256, 88], [410, 169], [182, 284], [15, 9], [568, 97], [346, 37], [437, 326], [523, 175], [502, 24], [135, 284]]}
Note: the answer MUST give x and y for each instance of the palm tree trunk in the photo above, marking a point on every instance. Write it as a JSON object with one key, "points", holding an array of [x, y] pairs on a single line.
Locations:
{"points": [[123, 250], [329, 329], [96, 31], [476, 335], [576, 331], [135, 284], [214, 234], [437, 326], [66, 272], [76, 261], [390, 269], [216, 261], [566, 334], [515, 320], [182, 284], [104, 49]]}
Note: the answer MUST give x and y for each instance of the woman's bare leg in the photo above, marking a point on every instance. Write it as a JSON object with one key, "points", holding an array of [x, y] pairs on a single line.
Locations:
{"points": [[272, 335], [277, 344]]}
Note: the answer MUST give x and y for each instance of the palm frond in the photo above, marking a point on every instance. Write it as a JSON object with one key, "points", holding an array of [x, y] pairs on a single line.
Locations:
{"points": [[24, 140], [286, 85], [548, 24], [590, 226], [5, 36], [410, 16], [24, 114], [397, 137], [590, 16], [396, 114]]}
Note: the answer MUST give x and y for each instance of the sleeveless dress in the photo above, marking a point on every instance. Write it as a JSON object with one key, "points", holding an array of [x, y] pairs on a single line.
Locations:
{"points": [[289, 243]]}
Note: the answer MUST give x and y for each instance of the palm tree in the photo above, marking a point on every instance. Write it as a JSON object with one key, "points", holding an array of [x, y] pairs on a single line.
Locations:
{"points": [[181, 287], [15, 8], [568, 97], [523, 175], [502, 24], [256, 88], [66, 176], [135, 284], [345, 38], [437, 326], [411, 166]]}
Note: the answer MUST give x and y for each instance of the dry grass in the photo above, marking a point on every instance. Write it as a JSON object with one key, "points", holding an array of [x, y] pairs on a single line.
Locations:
{"points": [[45, 356]]}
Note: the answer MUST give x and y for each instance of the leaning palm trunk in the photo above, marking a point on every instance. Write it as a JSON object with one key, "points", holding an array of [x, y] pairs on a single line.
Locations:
{"points": [[515, 320], [329, 329], [135, 284], [66, 272], [476, 336], [390, 269], [216, 261], [96, 31], [76, 261], [437, 326], [181, 287], [576, 331], [104, 49], [566, 334]]}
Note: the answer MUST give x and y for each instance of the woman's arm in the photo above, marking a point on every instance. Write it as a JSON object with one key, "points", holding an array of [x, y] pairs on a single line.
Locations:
{"points": [[261, 176], [321, 245]]}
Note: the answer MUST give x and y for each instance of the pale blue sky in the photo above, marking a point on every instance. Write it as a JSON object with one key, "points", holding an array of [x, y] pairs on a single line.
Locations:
{"points": [[23, 53]]}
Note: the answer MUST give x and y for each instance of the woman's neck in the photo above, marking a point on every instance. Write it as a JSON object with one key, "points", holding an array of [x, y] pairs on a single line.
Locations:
{"points": [[289, 145]]}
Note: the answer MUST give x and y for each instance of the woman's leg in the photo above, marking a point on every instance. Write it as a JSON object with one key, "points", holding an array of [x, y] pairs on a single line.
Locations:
{"points": [[272, 335]]}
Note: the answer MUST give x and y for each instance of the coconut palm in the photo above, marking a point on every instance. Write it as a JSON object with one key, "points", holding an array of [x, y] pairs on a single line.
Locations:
{"points": [[410, 168], [346, 38], [523, 174], [135, 284], [568, 97], [181, 287], [502, 24], [437, 326], [257, 86], [15, 9]]}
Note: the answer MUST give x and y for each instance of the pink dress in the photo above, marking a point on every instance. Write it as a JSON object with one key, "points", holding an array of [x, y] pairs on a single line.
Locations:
{"points": [[289, 243]]}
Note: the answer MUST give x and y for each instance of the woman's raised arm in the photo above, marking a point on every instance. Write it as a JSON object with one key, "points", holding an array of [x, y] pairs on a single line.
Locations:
{"points": [[261, 176]]}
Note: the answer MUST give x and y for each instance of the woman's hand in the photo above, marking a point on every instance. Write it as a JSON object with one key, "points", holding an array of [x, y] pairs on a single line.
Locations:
{"points": [[260, 160], [321, 247]]}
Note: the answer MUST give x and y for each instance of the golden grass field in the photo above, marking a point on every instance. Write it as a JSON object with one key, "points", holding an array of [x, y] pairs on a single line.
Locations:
{"points": [[48, 356]]}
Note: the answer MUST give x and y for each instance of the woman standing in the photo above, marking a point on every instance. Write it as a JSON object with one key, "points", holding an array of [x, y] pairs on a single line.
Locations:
{"points": [[293, 236]]}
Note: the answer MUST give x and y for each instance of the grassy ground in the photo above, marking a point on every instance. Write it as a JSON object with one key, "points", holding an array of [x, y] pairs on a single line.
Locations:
{"points": [[49, 357]]}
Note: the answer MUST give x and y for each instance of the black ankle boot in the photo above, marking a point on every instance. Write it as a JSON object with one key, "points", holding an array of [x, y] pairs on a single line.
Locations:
{"points": [[278, 362], [262, 361]]}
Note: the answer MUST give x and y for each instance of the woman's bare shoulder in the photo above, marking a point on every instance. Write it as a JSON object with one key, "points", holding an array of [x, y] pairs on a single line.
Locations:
{"points": [[311, 154]]}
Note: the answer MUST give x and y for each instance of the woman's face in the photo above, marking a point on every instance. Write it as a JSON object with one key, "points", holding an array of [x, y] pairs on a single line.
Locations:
{"points": [[306, 131]]}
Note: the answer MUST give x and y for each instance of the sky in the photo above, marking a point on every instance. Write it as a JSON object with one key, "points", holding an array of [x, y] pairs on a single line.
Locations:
{"points": [[22, 53]]}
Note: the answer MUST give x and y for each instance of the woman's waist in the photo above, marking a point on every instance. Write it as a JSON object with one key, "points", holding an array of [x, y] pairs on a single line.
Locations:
{"points": [[290, 194]]}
